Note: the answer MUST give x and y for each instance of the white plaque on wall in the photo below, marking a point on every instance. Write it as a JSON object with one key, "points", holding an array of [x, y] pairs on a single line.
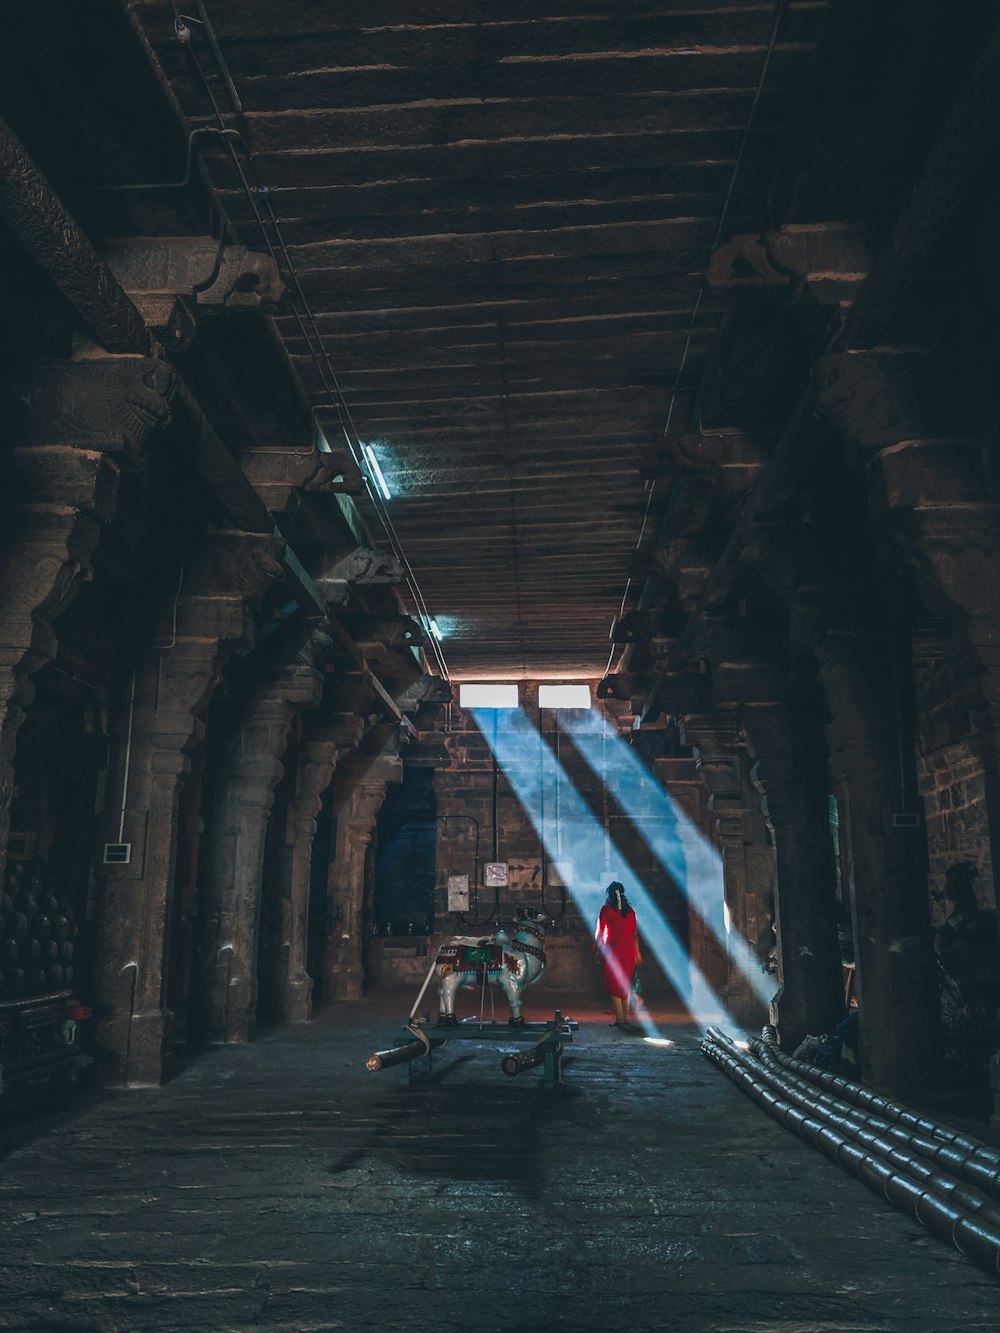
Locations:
{"points": [[458, 893], [495, 874]]}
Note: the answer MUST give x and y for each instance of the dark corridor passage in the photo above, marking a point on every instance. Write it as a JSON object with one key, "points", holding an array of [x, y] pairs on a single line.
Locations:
{"points": [[280, 1186], [465, 465]]}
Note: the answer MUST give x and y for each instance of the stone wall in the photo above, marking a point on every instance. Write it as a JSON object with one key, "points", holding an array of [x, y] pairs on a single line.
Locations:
{"points": [[952, 787], [596, 829]]}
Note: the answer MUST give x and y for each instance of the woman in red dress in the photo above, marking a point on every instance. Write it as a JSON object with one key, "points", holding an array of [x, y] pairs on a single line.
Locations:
{"points": [[618, 945]]}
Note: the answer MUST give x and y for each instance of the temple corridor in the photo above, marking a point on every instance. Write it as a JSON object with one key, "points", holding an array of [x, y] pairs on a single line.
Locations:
{"points": [[499, 509], [279, 1185]]}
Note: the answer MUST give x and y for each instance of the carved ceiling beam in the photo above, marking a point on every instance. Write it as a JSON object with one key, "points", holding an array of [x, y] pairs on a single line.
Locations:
{"points": [[33, 212]]}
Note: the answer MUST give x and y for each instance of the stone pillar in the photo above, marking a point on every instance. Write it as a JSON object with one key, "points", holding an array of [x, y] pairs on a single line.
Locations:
{"points": [[234, 851], [58, 485], [317, 762], [167, 698], [791, 775], [161, 720], [355, 809], [886, 872], [747, 861], [927, 449], [43, 561]]}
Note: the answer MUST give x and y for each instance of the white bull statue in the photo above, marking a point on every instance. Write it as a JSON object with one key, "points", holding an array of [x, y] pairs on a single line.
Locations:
{"points": [[496, 960]]}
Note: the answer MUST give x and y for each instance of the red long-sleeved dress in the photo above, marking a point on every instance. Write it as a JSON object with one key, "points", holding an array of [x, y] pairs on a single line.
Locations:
{"points": [[618, 940]]}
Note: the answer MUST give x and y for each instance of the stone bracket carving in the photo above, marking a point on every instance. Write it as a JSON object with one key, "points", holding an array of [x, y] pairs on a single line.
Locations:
{"points": [[374, 635], [234, 564], [687, 561], [646, 625], [168, 318], [110, 404], [230, 277], [830, 260], [277, 473], [424, 690], [336, 572], [876, 400]]}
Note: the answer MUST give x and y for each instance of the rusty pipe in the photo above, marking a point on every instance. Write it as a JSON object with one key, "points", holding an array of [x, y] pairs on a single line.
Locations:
{"points": [[518, 1061], [395, 1055]]}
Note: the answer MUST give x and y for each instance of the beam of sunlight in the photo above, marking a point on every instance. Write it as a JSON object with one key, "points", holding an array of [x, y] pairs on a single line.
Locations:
{"points": [[532, 770], [674, 839]]}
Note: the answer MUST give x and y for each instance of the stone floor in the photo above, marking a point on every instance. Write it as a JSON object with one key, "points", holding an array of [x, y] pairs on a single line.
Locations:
{"points": [[282, 1186]]}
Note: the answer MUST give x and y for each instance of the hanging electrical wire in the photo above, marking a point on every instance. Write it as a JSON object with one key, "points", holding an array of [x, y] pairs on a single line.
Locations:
{"points": [[779, 9], [259, 198]]}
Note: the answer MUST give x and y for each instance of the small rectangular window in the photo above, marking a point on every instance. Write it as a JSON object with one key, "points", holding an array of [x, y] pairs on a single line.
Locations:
{"points": [[564, 696], [488, 696]]}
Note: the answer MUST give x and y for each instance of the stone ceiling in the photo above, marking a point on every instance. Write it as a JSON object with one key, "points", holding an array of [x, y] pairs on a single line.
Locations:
{"points": [[500, 218]]}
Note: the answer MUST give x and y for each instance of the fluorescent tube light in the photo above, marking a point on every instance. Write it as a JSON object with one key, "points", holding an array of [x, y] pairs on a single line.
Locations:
{"points": [[376, 472]]}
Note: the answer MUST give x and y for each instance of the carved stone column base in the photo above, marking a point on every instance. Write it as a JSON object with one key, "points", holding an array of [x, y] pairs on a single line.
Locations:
{"points": [[147, 1037], [296, 1002]]}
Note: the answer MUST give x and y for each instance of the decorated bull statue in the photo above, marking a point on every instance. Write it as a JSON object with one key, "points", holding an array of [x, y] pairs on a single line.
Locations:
{"points": [[496, 960]]}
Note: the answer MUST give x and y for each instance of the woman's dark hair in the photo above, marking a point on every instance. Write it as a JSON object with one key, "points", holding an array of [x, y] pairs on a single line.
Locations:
{"points": [[616, 897]]}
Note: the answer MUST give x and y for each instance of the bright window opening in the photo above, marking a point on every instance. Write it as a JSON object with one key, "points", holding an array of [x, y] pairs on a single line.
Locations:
{"points": [[564, 696], [488, 696]]}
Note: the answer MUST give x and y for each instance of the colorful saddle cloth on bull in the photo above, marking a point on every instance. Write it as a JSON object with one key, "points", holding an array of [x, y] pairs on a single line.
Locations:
{"points": [[484, 957]]}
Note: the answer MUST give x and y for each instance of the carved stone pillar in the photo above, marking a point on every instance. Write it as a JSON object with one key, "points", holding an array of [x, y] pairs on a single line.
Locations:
{"points": [[317, 762], [928, 457], [791, 775], [355, 809], [747, 861], [160, 721], [43, 562], [171, 692], [58, 484], [234, 851], [886, 871]]}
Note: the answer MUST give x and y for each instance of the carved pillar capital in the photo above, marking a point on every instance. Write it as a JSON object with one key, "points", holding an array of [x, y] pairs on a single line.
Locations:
{"points": [[108, 403], [880, 399]]}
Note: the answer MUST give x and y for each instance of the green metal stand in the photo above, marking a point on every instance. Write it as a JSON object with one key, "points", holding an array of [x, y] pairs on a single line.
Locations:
{"points": [[547, 1040]]}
